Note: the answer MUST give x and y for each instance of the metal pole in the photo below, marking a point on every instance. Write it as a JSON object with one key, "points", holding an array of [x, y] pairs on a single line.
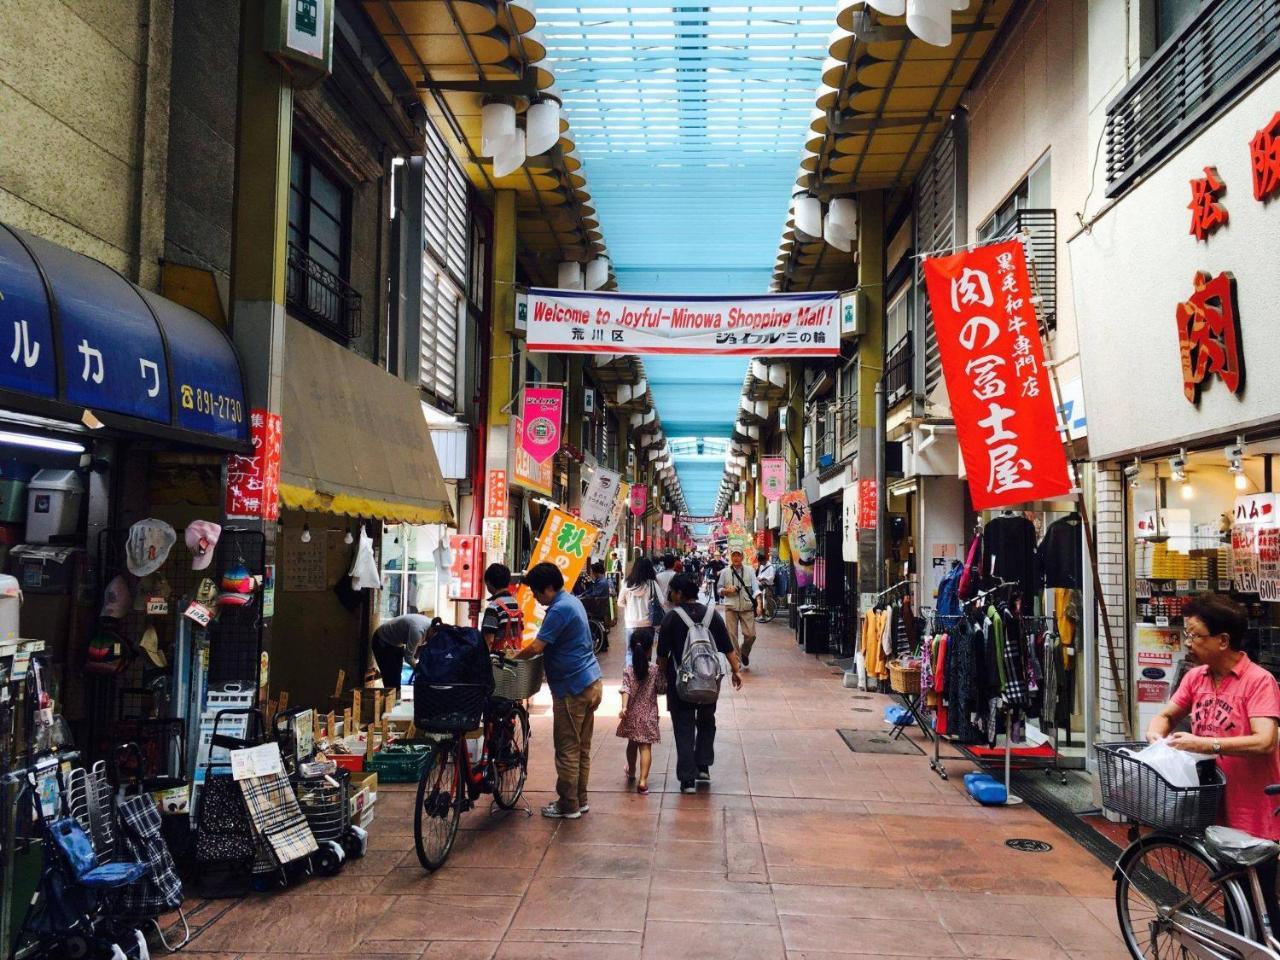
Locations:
{"points": [[883, 500]]}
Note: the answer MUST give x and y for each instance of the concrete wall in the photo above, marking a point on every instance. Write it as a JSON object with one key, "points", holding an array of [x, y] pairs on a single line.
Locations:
{"points": [[1031, 103], [84, 126]]}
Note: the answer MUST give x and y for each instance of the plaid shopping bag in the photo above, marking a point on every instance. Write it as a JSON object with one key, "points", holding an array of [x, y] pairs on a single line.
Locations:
{"points": [[275, 813], [159, 889]]}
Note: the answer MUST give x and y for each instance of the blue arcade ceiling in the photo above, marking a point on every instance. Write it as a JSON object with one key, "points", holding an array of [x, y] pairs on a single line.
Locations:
{"points": [[688, 119]]}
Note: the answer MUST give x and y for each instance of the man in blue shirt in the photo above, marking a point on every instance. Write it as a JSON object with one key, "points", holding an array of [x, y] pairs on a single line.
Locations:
{"points": [[573, 673]]}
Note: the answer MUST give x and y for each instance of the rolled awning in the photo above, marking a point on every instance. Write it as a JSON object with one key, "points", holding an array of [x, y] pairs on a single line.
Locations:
{"points": [[355, 440]]}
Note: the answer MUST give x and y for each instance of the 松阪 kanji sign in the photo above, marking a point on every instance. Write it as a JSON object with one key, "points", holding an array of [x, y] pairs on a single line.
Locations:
{"points": [[993, 361], [1209, 335]]}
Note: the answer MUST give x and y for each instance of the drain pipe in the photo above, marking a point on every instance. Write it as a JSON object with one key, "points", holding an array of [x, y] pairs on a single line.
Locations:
{"points": [[882, 505]]}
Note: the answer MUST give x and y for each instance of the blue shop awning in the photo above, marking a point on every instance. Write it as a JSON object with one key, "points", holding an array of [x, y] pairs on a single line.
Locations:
{"points": [[76, 335]]}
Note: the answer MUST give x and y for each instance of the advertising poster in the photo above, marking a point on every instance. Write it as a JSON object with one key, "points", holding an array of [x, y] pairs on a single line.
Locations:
{"points": [[495, 538], [542, 413], [868, 503], [1269, 563], [622, 496], [495, 494], [565, 541], [253, 479], [740, 513], [639, 499], [773, 477], [797, 522], [600, 496], [525, 471], [1159, 651], [769, 325], [993, 362]]}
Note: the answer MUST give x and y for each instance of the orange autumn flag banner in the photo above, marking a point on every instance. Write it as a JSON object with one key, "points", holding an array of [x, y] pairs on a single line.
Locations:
{"points": [[565, 541]]}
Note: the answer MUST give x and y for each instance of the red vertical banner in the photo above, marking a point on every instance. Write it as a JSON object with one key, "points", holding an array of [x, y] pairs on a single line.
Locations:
{"points": [[739, 513], [993, 361], [542, 415], [495, 494], [773, 477], [639, 499], [868, 503], [666, 522], [253, 479]]}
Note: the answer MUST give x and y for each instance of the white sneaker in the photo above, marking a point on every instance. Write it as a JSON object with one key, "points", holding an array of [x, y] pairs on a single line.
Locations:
{"points": [[552, 812]]}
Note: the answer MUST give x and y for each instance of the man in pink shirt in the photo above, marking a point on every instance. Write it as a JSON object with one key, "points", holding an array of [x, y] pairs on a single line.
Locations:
{"points": [[1234, 706]]}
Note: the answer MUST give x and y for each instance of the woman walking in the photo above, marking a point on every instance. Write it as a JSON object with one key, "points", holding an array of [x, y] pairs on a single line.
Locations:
{"points": [[638, 599], [638, 718]]}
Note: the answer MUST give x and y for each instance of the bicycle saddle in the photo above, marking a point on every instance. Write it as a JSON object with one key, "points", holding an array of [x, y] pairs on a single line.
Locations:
{"points": [[1239, 848]]}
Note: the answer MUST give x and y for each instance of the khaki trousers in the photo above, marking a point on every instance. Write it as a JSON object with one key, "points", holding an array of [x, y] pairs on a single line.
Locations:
{"points": [[573, 723], [744, 620]]}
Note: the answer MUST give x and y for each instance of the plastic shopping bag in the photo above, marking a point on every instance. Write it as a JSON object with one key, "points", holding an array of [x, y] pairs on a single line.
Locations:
{"points": [[1176, 766], [364, 569]]}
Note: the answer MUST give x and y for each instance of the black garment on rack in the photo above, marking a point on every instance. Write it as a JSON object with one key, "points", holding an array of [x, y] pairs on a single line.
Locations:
{"points": [[962, 681], [1009, 551], [1060, 553]]}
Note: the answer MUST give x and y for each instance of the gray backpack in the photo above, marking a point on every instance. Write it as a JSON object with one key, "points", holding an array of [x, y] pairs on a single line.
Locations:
{"points": [[701, 669]]}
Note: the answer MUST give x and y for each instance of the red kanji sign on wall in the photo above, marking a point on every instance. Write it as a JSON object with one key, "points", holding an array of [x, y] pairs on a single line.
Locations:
{"points": [[1209, 335], [253, 479], [1207, 214], [1264, 157], [989, 344], [495, 494]]}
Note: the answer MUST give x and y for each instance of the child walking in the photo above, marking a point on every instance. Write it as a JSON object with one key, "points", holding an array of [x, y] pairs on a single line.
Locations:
{"points": [[638, 718]]}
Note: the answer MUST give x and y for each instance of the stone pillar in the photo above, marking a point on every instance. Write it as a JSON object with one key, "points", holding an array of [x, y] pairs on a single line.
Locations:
{"points": [[1115, 694]]}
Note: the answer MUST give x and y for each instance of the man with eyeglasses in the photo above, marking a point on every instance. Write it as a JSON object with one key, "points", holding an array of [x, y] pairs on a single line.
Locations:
{"points": [[1234, 706]]}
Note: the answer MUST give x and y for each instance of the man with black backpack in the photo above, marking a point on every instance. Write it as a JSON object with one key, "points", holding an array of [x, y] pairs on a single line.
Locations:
{"points": [[691, 641]]}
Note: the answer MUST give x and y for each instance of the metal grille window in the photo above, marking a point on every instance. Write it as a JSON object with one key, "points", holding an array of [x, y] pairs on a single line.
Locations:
{"points": [[1041, 230], [935, 225], [1207, 60], [445, 223], [437, 358], [319, 234]]}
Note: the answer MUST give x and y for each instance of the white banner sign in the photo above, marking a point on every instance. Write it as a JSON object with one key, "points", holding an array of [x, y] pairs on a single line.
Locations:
{"points": [[615, 514], [778, 325], [600, 496]]}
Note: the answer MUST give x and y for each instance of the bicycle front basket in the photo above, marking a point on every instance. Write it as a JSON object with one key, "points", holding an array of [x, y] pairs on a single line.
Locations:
{"points": [[1133, 789], [517, 679]]}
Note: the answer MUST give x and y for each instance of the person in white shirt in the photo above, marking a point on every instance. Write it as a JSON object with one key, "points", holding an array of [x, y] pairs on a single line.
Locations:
{"points": [[740, 592], [635, 595], [665, 575]]}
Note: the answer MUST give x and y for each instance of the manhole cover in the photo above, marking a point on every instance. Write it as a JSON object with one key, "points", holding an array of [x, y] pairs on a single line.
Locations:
{"points": [[1028, 846]]}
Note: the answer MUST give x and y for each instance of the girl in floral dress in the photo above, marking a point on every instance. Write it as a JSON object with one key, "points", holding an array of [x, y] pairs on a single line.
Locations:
{"points": [[638, 718]]}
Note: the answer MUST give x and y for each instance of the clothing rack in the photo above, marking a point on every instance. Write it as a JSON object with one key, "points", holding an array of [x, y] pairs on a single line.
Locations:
{"points": [[899, 589]]}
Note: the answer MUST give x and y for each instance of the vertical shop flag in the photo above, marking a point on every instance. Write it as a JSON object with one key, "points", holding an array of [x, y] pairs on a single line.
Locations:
{"points": [[666, 523], [739, 513], [868, 503], [565, 541], [797, 521], [773, 477], [495, 494], [620, 499], [600, 496], [541, 416], [526, 471], [253, 479], [989, 344], [639, 499]]}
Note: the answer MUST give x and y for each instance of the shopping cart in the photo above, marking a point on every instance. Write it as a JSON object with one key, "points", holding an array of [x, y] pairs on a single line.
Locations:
{"points": [[323, 790]]}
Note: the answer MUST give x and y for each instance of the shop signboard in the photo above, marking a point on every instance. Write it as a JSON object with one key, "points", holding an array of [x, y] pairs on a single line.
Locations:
{"points": [[993, 362], [621, 498], [565, 541], [466, 551], [1254, 508], [541, 414], [639, 499], [1269, 563], [494, 533], [525, 471], [797, 520], [771, 325], [253, 479], [868, 503], [600, 496], [849, 520], [495, 494], [773, 477]]}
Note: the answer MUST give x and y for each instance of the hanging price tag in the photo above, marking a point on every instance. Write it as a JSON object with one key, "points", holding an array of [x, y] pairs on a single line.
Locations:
{"points": [[1162, 621], [1183, 585], [157, 606], [1202, 585], [199, 613], [1224, 585]]}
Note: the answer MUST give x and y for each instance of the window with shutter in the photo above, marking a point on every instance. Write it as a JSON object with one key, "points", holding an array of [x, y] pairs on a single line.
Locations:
{"points": [[935, 224], [437, 358], [445, 229]]}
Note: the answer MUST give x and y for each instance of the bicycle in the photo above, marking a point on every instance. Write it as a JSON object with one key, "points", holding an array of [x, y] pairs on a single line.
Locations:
{"points": [[768, 604], [450, 783], [1178, 894]]}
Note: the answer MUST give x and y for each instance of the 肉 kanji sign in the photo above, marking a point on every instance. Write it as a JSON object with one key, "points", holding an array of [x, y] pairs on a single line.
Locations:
{"points": [[989, 344], [1209, 335], [253, 479]]}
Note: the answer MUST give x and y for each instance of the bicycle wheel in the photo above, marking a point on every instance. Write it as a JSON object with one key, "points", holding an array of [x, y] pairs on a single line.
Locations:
{"points": [[770, 607], [509, 748], [439, 805], [598, 635], [1161, 873]]}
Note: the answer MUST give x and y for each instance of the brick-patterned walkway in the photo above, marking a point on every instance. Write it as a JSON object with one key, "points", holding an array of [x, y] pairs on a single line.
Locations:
{"points": [[801, 850]]}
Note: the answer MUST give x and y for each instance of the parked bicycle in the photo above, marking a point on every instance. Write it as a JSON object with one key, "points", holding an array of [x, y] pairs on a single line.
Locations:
{"points": [[1180, 894], [451, 780], [768, 604]]}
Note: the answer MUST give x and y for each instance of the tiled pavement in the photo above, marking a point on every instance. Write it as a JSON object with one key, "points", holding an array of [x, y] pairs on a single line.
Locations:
{"points": [[801, 850]]}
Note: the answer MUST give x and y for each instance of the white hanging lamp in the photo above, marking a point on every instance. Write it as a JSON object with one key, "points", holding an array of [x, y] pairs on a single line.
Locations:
{"points": [[930, 20], [509, 156], [542, 126], [497, 123], [569, 277], [808, 210], [597, 274], [890, 8], [836, 237], [842, 212]]}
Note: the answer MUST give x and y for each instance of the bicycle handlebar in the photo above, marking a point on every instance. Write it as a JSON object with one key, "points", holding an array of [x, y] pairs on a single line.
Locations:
{"points": [[1272, 790]]}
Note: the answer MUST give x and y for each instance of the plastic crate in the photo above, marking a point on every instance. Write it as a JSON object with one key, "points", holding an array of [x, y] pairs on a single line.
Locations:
{"points": [[351, 762], [399, 763], [1133, 789]]}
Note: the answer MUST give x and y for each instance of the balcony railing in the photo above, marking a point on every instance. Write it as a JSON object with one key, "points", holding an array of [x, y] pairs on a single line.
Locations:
{"points": [[1220, 50], [321, 298], [898, 372], [1041, 228]]}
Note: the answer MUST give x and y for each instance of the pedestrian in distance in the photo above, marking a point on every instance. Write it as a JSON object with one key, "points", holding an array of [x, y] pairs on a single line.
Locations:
{"points": [[740, 591], [638, 716], [694, 724], [573, 674]]}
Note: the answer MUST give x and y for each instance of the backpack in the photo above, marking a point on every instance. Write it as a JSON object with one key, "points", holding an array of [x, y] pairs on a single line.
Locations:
{"points": [[700, 672], [454, 655], [511, 636]]}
